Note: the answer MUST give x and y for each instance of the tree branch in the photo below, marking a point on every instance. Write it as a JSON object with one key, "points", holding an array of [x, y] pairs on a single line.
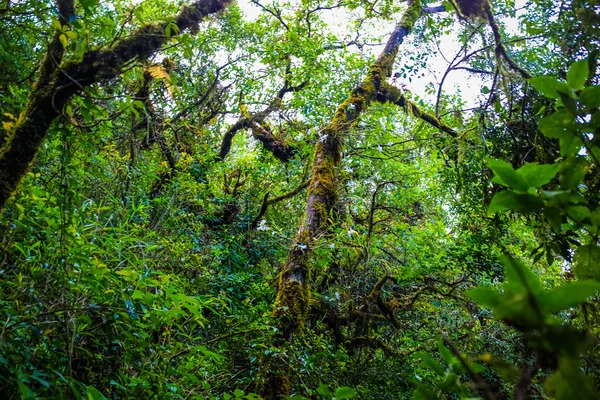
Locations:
{"points": [[500, 49], [267, 202], [55, 87], [249, 121], [392, 94]]}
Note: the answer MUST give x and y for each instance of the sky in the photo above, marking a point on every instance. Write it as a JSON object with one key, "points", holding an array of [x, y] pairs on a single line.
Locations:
{"points": [[459, 81]]}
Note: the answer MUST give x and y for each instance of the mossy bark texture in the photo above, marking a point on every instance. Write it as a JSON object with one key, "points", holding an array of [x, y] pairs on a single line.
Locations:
{"points": [[256, 120], [391, 94], [293, 297], [57, 85]]}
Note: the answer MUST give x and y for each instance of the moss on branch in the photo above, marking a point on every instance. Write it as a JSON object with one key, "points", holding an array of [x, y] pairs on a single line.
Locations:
{"points": [[56, 86], [392, 94]]}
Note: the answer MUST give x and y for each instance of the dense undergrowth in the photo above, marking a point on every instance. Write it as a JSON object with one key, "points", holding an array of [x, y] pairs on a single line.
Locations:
{"points": [[140, 254]]}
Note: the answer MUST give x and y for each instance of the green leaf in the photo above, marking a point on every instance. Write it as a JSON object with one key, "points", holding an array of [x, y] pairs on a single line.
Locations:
{"points": [[587, 260], [445, 352], [57, 25], [569, 295], [569, 383], [324, 391], [595, 217], [578, 213], [345, 392], [75, 390], [555, 217], [558, 125], [238, 393], [429, 362], [569, 102], [590, 96], [546, 85], [506, 175], [450, 383], [559, 198], [549, 256], [485, 297], [26, 393], [536, 175], [517, 273], [509, 200], [88, 5], [572, 172], [570, 145], [64, 40], [424, 393], [94, 394], [578, 74]]}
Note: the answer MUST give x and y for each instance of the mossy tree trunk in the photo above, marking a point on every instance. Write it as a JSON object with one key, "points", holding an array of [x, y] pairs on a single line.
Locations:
{"points": [[56, 84], [293, 298]]}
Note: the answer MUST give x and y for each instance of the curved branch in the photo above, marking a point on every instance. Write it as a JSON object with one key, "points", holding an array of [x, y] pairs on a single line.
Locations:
{"points": [[500, 49], [392, 94], [280, 150], [249, 121]]}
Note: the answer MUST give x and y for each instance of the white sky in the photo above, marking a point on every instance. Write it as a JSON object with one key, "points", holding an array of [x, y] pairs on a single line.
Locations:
{"points": [[460, 81]]}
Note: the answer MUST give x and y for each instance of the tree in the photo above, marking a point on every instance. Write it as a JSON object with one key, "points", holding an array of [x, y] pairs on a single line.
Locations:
{"points": [[149, 226]]}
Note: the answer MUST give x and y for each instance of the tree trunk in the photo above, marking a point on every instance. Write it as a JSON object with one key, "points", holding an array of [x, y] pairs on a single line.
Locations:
{"points": [[293, 297]]}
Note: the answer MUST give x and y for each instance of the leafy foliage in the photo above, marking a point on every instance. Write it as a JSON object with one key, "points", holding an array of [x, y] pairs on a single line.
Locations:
{"points": [[142, 252]]}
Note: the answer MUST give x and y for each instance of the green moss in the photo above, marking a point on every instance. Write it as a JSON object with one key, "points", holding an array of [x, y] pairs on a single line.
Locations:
{"points": [[412, 14], [274, 378], [324, 174], [292, 304]]}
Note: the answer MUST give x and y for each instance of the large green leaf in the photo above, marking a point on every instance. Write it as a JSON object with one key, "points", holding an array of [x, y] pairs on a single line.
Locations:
{"points": [[445, 353], [572, 172], [450, 383], [568, 383], [569, 295], [578, 74], [558, 125], [94, 394], [429, 362], [562, 197], [485, 296], [587, 262], [344, 392], [324, 391], [547, 85], [537, 175], [578, 213], [517, 273], [424, 393], [506, 175], [590, 96], [509, 200]]}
